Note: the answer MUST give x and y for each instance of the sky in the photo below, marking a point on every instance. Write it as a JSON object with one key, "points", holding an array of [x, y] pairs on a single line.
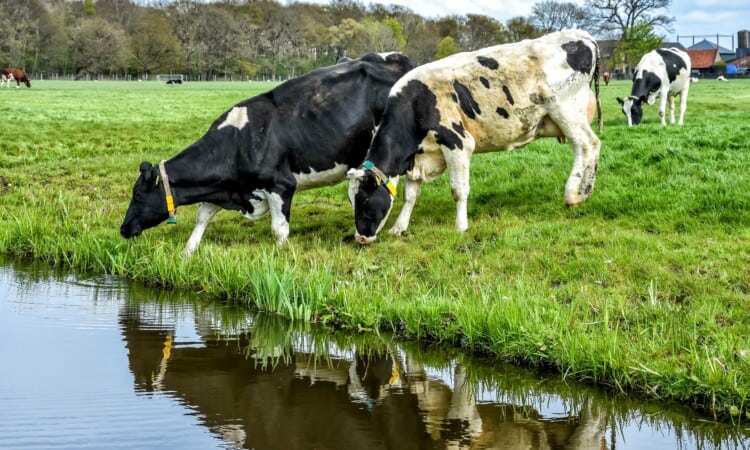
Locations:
{"points": [[693, 17]]}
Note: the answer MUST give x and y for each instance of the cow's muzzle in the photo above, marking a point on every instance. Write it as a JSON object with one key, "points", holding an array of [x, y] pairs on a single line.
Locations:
{"points": [[128, 233], [363, 239]]}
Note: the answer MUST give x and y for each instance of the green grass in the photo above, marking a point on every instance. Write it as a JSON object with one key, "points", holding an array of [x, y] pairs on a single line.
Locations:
{"points": [[644, 288]]}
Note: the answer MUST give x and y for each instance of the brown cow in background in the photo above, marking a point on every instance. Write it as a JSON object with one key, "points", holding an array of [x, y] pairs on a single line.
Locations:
{"points": [[13, 73]]}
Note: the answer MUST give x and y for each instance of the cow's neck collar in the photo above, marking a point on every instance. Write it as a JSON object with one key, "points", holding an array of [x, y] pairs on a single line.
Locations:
{"points": [[368, 165], [168, 194]]}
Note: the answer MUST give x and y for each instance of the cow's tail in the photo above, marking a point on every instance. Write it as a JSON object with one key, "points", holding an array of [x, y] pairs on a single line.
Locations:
{"points": [[600, 120]]}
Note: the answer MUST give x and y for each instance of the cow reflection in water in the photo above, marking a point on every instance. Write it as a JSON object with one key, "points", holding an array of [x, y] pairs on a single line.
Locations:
{"points": [[257, 391]]}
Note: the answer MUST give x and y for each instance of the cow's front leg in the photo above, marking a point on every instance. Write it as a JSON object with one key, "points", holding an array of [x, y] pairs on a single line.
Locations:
{"points": [[411, 192], [280, 206], [458, 162], [205, 213]]}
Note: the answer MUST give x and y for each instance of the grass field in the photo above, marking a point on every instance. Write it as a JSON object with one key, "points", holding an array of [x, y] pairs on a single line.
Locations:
{"points": [[644, 288]]}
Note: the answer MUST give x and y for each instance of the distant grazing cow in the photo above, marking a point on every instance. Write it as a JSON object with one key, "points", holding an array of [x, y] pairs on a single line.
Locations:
{"points": [[494, 99], [11, 73], [605, 77], [662, 72], [305, 133], [721, 78], [174, 81]]}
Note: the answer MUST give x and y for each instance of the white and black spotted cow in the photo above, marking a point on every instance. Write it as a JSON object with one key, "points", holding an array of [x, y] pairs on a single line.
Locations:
{"points": [[494, 99], [662, 72], [305, 133]]}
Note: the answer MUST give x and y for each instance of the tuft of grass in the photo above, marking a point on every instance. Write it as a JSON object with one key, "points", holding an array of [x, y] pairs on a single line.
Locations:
{"points": [[643, 288]]}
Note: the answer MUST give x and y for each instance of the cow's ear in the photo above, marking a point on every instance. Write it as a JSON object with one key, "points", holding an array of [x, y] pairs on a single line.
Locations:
{"points": [[620, 101], [370, 181], [146, 171]]}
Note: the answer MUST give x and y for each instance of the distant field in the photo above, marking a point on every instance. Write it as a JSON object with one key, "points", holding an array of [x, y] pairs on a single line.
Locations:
{"points": [[644, 288]]}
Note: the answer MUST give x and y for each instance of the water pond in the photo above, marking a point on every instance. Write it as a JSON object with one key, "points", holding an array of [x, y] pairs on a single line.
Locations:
{"points": [[95, 362]]}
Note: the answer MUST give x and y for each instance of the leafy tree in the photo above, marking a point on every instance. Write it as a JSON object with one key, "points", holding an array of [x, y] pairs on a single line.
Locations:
{"points": [[481, 31], [339, 10], [449, 26], [375, 37], [446, 47], [520, 28], [398, 32], [344, 36], [184, 15], [719, 67], [33, 37], [97, 47], [640, 41], [90, 8], [550, 15], [155, 48]]}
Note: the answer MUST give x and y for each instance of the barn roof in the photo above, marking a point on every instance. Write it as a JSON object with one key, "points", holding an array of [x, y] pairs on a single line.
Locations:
{"points": [[703, 59], [708, 45], [672, 44]]}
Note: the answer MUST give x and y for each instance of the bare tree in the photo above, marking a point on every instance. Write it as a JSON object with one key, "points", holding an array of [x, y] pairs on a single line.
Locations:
{"points": [[216, 33], [622, 16], [550, 15], [421, 37]]}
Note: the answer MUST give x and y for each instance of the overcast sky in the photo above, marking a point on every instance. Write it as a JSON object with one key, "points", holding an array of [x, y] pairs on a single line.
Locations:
{"points": [[693, 17]]}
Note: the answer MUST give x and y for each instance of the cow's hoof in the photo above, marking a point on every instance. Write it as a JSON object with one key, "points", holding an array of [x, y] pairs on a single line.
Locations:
{"points": [[397, 231]]}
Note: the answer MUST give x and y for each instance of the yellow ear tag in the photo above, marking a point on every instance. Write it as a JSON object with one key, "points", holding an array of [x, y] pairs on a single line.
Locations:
{"points": [[170, 203], [391, 188]]}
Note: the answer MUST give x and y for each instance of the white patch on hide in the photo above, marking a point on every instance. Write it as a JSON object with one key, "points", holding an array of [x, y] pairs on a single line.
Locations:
{"points": [[260, 205], [315, 179], [237, 118]]}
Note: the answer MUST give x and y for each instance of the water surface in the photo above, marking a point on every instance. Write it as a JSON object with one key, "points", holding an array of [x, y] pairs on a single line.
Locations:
{"points": [[94, 362]]}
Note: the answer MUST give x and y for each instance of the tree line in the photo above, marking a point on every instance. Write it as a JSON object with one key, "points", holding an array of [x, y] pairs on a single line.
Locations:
{"points": [[265, 39]]}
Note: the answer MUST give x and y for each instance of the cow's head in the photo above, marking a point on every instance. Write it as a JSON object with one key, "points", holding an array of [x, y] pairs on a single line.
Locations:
{"points": [[372, 198], [148, 206], [632, 107]]}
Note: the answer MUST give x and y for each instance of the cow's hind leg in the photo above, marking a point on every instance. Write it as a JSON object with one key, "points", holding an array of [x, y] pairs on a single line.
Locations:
{"points": [[411, 192], [458, 162], [671, 109], [580, 184], [683, 101], [586, 146], [205, 213]]}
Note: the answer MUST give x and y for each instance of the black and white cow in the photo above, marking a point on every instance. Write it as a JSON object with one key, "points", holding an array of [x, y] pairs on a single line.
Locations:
{"points": [[305, 133], [494, 99], [662, 72]]}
